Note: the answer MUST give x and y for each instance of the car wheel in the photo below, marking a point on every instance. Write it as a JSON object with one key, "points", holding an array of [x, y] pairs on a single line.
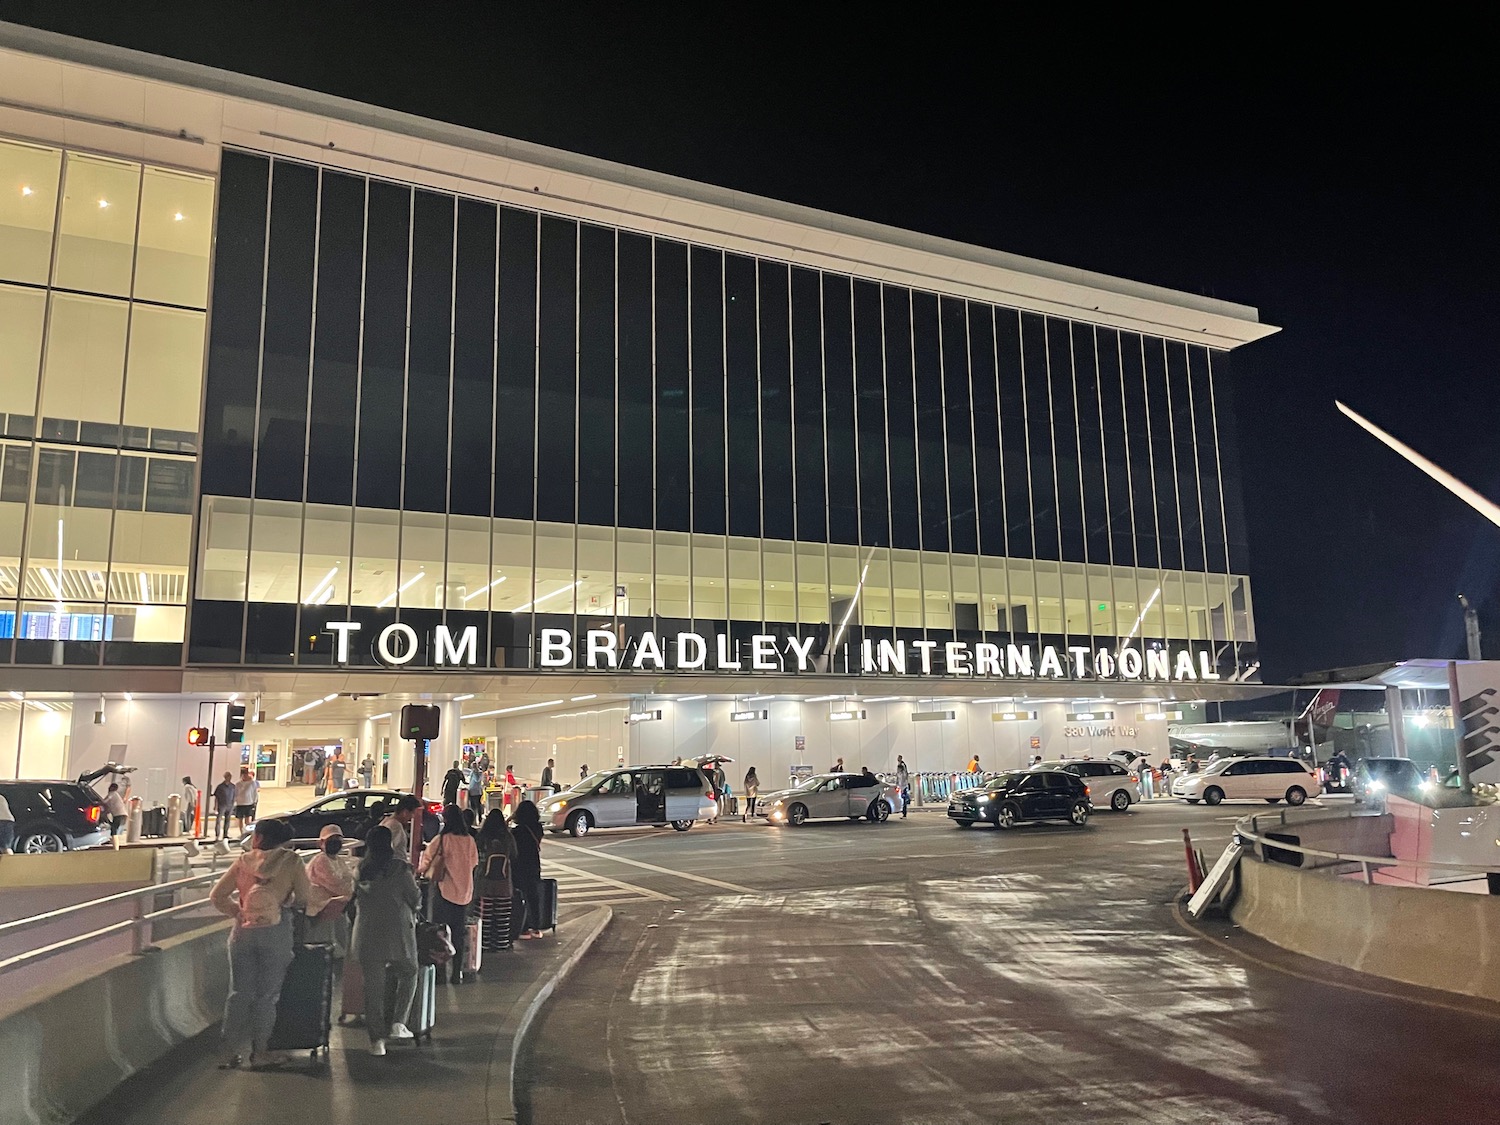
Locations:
{"points": [[1296, 795], [879, 811], [1120, 801], [796, 815], [1078, 815], [964, 823], [682, 825], [42, 841], [1007, 815], [1213, 795], [579, 824]]}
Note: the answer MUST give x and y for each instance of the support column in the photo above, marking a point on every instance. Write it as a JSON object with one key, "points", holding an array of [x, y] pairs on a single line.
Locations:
{"points": [[1395, 714]]}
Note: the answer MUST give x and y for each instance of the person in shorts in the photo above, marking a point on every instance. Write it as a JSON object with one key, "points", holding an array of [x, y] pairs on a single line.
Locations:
{"points": [[246, 797], [114, 808]]}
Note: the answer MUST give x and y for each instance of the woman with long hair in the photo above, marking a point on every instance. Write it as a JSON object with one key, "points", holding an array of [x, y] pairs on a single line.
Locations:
{"points": [[449, 862], [493, 886], [752, 791], [385, 937], [528, 866]]}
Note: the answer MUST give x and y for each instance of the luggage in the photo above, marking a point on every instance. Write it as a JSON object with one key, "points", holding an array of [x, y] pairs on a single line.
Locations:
{"points": [[423, 1007], [546, 911], [434, 944], [303, 1011], [473, 947], [154, 821], [495, 915], [352, 1004]]}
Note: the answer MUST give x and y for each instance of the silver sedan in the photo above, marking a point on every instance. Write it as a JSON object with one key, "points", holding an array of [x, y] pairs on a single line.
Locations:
{"points": [[851, 795]]}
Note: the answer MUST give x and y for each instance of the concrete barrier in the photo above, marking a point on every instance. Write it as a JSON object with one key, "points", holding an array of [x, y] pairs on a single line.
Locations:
{"points": [[68, 1043], [1431, 938]]}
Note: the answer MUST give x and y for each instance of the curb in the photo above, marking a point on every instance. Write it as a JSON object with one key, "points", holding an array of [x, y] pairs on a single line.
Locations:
{"points": [[523, 1012]]}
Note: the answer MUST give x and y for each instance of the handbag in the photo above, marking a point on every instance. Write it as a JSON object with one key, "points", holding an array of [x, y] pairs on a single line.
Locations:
{"points": [[434, 943], [435, 864]]}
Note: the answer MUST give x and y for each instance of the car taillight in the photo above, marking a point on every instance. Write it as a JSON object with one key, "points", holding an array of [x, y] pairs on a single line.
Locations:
{"points": [[435, 807], [1085, 790], [94, 812]]}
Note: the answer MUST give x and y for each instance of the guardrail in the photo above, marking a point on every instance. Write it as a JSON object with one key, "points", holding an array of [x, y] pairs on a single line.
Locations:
{"points": [[1255, 837], [141, 925]]}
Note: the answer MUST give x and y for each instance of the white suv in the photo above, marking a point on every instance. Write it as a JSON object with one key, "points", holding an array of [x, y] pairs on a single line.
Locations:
{"points": [[1109, 782], [1248, 779]]}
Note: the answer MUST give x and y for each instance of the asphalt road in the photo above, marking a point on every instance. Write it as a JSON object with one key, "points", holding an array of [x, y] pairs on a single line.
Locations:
{"points": [[913, 972]]}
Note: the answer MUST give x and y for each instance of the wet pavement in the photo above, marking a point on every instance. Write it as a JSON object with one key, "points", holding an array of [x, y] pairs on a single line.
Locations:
{"points": [[913, 972]]}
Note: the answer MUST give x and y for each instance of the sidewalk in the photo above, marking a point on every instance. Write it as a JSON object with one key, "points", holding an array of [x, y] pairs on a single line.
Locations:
{"points": [[465, 1073]]}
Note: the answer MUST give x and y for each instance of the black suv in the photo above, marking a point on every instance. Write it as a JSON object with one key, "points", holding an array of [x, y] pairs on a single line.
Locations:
{"points": [[55, 816], [1011, 798], [354, 812]]}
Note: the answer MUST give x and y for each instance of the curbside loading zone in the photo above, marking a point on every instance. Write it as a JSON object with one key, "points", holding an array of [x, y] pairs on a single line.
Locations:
{"points": [[501, 1086]]}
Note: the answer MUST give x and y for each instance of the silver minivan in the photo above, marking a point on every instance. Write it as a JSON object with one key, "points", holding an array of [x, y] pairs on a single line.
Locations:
{"points": [[631, 796]]}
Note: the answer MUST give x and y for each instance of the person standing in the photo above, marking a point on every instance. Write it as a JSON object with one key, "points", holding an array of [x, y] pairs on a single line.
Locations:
{"points": [[332, 889], [386, 900], [721, 787], [547, 776], [583, 771], [114, 808], [493, 886], [367, 771], [256, 891], [453, 781], [752, 791], [223, 805], [476, 790], [189, 806], [837, 767], [903, 783], [974, 764], [527, 871], [340, 769], [7, 827], [449, 862], [398, 824], [1143, 772], [246, 797]]}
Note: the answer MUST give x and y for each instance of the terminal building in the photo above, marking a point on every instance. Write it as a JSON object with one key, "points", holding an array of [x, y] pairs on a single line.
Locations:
{"points": [[326, 408]]}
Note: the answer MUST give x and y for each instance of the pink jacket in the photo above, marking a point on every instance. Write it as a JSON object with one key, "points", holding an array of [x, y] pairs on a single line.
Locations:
{"points": [[450, 861], [258, 885]]}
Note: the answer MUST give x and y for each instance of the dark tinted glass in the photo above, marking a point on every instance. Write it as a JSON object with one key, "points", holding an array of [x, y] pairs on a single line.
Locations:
{"points": [[1065, 439], [959, 417], [838, 405], [596, 376], [1163, 454], [989, 487], [382, 387], [1015, 465], [1229, 462], [1040, 451], [674, 458], [707, 323], [270, 633], [515, 377], [282, 432], [637, 392], [743, 395], [557, 381], [95, 481], [169, 485], [1116, 454], [807, 406], [870, 416], [429, 380], [473, 360], [1138, 450], [932, 468], [775, 402], [1189, 500], [1207, 449], [234, 343], [335, 383], [901, 425]]}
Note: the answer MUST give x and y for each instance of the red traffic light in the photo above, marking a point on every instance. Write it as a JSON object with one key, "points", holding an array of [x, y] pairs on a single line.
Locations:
{"points": [[197, 736]]}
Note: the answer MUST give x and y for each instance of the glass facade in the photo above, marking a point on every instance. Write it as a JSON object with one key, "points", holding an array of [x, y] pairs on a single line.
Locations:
{"points": [[426, 407], [104, 267]]}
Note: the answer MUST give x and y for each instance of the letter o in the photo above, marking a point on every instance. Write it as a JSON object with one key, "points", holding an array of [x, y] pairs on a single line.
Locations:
{"points": [[1104, 664], [383, 643], [1130, 663]]}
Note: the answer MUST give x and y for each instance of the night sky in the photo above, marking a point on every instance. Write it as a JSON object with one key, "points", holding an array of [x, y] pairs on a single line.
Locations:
{"points": [[1347, 191]]}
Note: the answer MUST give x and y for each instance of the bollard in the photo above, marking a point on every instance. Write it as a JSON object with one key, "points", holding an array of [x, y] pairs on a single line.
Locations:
{"points": [[1195, 873], [174, 816], [132, 823]]}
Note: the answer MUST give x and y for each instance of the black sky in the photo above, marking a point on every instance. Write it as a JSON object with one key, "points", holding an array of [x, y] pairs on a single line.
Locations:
{"points": [[1345, 188]]}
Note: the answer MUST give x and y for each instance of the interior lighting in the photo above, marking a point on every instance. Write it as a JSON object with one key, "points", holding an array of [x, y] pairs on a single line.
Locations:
{"points": [[470, 597], [511, 710], [1151, 601], [824, 698], [103, 203], [544, 597], [581, 698], [177, 218], [376, 718], [324, 586], [757, 698], [689, 698], [461, 698], [25, 191], [405, 586], [306, 707], [883, 699]]}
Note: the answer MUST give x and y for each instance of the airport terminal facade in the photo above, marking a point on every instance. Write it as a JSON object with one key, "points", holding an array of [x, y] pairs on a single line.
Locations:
{"points": [[319, 404]]}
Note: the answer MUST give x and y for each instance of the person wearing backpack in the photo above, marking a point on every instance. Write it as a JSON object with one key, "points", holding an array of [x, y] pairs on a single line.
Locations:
{"points": [[449, 862], [386, 899], [494, 886]]}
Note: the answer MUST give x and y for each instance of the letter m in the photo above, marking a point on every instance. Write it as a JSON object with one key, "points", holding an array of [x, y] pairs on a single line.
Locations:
{"points": [[465, 652]]}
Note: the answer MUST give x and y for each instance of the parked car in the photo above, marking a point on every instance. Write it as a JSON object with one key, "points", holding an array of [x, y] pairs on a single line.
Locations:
{"points": [[1247, 779], [55, 816], [1375, 778], [1109, 782], [1023, 795], [637, 795], [355, 811], [1127, 758], [852, 795]]}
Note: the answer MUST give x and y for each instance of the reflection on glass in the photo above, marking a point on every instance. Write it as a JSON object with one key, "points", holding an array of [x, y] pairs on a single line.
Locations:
{"points": [[96, 242], [28, 207], [175, 235]]}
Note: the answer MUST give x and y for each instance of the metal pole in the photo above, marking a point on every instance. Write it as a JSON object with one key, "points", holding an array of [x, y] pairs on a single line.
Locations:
{"points": [[1455, 704], [418, 787]]}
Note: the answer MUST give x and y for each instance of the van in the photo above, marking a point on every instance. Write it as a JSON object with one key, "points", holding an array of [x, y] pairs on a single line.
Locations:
{"points": [[1248, 779], [631, 796]]}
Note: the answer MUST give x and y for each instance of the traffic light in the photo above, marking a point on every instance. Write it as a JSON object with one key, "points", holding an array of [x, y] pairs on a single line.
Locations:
{"points": [[197, 736], [234, 725]]}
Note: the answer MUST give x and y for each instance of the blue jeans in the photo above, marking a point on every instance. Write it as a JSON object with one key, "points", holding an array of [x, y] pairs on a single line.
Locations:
{"points": [[258, 961]]}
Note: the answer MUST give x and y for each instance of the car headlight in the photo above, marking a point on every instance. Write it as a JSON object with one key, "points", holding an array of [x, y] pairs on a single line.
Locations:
{"points": [[1376, 785], [983, 799], [557, 806]]}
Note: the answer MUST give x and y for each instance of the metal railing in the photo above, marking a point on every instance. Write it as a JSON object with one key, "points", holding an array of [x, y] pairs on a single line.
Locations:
{"points": [[141, 925], [1256, 836]]}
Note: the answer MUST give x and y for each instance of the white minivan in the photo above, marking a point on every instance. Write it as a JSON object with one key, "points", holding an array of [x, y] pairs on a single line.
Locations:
{"points": [[636, 795], [1248, 779]]}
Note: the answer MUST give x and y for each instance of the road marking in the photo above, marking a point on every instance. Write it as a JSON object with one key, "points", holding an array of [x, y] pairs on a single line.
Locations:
{"points": [[589, 878], [1163, 840], [653, 867]]}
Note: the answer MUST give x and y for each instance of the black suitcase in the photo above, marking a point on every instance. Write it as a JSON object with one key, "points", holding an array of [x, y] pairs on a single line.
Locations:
{"points": [[154, 821], [304, 1011], [546, 912]]}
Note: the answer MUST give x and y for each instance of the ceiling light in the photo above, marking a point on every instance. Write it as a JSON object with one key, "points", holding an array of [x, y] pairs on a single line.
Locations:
{"points": [[25, 191], [325, 585], [103, 203], [401, 589], [129, 698], [689, 698], [544, 597], [509, 710], [383, 715], [756, 698], [470, 597], [177, 218], [581, 698], [461, 698], [883, 699], [824, 698], [304, 707]]}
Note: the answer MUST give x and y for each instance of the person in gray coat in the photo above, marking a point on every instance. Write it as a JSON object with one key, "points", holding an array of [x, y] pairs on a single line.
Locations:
{"points": [[385, 937]]}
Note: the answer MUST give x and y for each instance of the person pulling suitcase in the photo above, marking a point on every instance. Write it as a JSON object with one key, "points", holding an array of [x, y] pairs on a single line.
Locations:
{"points": [[527, 870]]}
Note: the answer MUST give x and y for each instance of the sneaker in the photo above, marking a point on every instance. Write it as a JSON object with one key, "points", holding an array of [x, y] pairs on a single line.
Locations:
{"points": [[377, 1047], [401, 1031]]}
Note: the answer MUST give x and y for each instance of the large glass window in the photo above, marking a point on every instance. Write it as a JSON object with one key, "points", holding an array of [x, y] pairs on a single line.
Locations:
{"points": [[96, 240], [176, 232], [28, 208]]}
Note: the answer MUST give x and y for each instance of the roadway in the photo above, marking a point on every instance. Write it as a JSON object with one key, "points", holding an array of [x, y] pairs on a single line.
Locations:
{"points": [[913, 972]]}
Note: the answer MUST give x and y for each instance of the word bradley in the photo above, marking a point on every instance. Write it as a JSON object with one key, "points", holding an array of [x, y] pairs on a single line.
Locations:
{"points": [[694, 652]]}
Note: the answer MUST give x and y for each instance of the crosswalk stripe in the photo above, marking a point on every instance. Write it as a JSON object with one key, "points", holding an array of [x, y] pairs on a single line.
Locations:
{"points": [[589, 880]]}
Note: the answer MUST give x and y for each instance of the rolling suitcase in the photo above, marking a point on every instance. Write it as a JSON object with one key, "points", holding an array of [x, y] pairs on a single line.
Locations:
{"points": [[473, 946], [423, 1006], [303, 1011], [547, 909]]}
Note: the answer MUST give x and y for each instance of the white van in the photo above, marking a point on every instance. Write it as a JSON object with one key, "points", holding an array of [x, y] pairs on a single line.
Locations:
{"points": [[1248, 779], [637, 795]]}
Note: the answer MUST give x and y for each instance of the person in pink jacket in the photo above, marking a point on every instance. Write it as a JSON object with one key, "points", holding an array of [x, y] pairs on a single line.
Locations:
{"points": [[257, 891], [449, 862]]}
